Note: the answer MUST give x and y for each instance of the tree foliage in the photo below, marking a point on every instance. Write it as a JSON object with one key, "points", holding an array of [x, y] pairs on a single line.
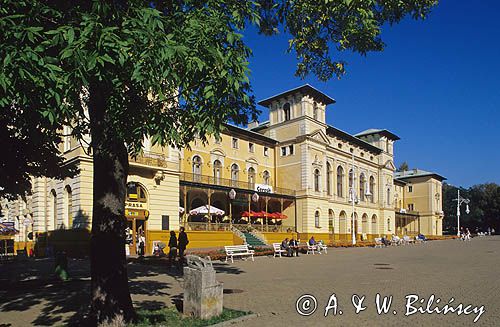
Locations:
{"points": [[403, 167], [484, 206], [174, 68]]}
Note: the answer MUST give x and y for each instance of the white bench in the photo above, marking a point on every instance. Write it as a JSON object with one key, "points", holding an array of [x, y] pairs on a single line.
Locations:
{"points": [[378, 242], [238, 250], [322, 247], [278, 250], [311, 248]]}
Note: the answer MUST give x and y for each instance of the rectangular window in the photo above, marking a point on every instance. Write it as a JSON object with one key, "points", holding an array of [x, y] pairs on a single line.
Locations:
{"points": [[266, 151], [67, 138], [235, 143], [290, 152], [283, 151], [411, 207], [410, 189], [251, 147]]}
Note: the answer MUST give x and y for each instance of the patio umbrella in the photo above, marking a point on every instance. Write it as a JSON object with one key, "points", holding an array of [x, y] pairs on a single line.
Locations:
{"points": [[204, 210], [279, 215], [249, 214]]}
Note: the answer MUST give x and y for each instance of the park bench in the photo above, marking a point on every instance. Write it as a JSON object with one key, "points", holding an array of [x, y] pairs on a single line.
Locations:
{"points": [[311, 248], [378, 242], [278, 250], [407, 240], [238, 250]]}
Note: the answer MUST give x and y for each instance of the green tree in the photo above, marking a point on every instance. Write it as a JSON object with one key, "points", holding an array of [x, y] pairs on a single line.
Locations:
{"points": [[403, 167], [484, 206], [124, 70]]}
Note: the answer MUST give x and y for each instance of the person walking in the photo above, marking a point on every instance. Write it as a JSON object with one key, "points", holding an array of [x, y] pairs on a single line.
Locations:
{"points": [[183, 242], [467, 234], [172, 245]]}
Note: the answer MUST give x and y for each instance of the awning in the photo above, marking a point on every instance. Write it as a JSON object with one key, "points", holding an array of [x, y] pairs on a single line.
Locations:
{"points": [[204, 210]]}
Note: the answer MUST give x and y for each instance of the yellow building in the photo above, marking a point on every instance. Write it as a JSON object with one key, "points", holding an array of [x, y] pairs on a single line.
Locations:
{"points": [[419, 203], [291, 175]]}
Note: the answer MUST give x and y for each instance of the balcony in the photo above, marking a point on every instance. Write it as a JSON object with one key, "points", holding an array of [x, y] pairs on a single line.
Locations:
{"points": [[403, 211], [211, 180], [151, 159]]}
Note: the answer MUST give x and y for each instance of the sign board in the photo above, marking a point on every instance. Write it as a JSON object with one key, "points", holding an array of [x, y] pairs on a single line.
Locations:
{"points": [[263, 188], [134, 205]]}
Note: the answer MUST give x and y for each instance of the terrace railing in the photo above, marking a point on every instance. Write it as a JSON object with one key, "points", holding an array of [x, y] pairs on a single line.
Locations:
{"points": [[212, 180]]}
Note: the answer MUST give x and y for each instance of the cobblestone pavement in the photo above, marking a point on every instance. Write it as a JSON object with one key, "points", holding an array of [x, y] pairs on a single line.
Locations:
{"points": [[467, 272]]}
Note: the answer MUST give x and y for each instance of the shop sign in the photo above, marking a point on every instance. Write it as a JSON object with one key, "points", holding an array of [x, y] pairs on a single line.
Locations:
{"points": [[263, 188], [137, 205]]}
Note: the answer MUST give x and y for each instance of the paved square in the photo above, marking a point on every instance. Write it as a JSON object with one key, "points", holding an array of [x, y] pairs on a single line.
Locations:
{"points": [[467, 272]]}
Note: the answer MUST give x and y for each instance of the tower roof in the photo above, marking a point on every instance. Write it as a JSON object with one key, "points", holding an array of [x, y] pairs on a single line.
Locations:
{"points": [[306, 89], [414, 173], [382, 132]]}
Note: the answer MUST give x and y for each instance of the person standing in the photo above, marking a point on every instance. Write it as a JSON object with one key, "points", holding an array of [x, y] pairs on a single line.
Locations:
{"points": [[172, 244], [183, 242]]}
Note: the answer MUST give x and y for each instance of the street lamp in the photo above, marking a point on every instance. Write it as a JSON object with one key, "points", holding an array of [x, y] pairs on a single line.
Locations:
{"points": [[461, 200], [353, 198]]}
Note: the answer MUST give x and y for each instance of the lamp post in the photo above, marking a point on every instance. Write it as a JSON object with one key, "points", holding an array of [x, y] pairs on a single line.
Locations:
{"points": [[461, 200], [354, 199]]}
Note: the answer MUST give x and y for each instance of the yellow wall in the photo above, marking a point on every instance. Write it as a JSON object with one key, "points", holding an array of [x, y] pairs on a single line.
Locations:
{"points": [[197, 239], [278, 237]]}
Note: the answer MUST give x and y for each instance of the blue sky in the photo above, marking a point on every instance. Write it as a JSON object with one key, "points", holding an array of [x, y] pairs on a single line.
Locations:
{"points": [[435, 85]]}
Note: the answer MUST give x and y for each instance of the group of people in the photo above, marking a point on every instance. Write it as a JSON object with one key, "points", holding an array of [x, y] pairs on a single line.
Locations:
{"points": [[401, 240], [292, 246], [176, 245]]}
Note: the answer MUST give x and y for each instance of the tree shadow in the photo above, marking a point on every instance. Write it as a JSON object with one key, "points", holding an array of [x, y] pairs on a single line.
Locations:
{"points": [[30, 288]]}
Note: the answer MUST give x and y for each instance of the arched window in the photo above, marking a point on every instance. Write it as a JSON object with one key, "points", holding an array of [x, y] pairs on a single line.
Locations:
{"points": [[389, 224], [351, 178], [316, 219], [197, 168], [53, 207], [286, 111], [374, 225], [251, 178], [362, 189], [68, 195], [235, 174], [266, 177], [328, 178], [136, 193], [316, 180], [315, 111], [331, 224], [217, 171], [372, 188], [389, 197], [340, 179]]}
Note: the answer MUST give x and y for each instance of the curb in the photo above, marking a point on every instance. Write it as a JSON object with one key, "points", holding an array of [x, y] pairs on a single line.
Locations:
{"points": [[236, 320]]}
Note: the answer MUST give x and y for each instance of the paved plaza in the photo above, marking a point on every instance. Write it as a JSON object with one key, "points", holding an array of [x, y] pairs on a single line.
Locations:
{"points": [[467, 272]]}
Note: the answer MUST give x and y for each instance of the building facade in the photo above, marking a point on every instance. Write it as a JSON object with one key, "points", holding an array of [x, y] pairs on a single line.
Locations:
{"points": [[292, 174]]}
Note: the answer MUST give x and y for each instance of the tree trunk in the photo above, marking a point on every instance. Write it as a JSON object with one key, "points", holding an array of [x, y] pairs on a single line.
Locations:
{"points": [[110, 296]]}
